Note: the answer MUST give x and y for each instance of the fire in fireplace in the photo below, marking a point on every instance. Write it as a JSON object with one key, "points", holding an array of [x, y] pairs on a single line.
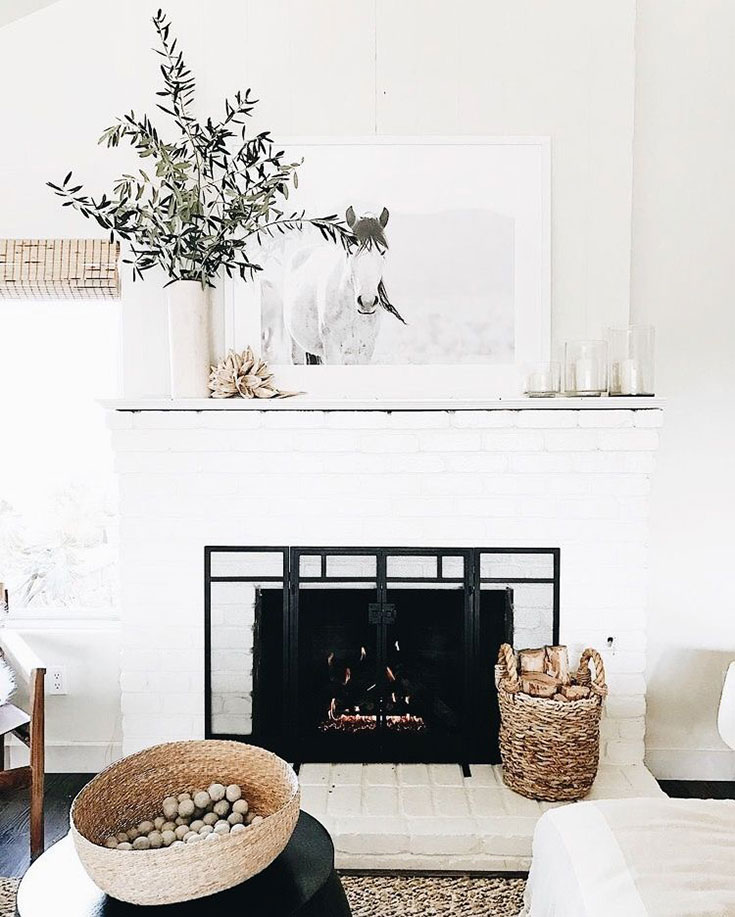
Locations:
{"points": [[356, 705], [383, 654]]}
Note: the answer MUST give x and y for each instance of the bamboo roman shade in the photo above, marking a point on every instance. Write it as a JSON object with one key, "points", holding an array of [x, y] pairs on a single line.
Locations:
{"points": [[59, 269]]}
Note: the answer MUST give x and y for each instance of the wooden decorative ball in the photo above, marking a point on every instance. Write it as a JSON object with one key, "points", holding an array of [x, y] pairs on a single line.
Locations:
{"points": [[189, 817], [170, 807], [233, 792], [186, 808], [202, 799], [216, 792]]}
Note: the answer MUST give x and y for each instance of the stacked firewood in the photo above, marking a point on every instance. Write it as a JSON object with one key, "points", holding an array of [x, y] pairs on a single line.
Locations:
{"points": [[544, 672]]}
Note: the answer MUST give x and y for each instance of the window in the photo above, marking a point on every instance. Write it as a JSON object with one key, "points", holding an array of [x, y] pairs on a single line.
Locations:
{"points": [[57, 505]]}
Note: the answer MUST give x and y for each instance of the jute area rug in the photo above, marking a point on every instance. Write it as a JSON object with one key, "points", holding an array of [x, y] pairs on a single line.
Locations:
{"points": [[441, 896], [8, 888], [398, 896]]}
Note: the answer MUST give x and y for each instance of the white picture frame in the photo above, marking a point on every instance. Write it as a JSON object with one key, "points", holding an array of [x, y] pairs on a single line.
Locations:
{"points": [[519, 185]]}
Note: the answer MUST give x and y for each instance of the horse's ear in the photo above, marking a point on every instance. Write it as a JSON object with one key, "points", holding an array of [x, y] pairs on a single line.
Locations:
{"points": [[384, 217], [350, 217]]}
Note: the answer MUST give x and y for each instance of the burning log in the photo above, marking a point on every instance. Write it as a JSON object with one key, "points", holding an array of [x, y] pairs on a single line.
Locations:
{"points": [[355, 723]]}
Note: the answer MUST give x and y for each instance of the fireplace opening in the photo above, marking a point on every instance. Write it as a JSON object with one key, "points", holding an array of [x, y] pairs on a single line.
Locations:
{"points": [[396, 682], [369, 654]]}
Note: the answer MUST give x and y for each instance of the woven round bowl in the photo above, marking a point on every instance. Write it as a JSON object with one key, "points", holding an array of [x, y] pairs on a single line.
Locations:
{"points": [[132, 790]]}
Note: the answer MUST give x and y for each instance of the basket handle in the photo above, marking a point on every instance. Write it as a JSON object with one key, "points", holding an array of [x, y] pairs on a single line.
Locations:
{"points": [[508, 669], [584, 677]]}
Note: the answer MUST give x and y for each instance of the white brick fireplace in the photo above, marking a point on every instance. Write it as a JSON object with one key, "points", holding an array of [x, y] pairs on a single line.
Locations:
{"points": [[575, 477]]}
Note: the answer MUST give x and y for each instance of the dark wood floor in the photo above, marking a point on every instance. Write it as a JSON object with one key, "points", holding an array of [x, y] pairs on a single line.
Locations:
{"points": [[62, 788], [699, 789]]}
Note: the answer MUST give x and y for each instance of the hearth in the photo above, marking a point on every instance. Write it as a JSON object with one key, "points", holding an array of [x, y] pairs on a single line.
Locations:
{"points": [[370, 654]]}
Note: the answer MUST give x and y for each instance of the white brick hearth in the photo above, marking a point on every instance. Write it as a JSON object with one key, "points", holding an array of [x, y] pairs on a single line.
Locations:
{"points": [[430, 817], [574, 478]]}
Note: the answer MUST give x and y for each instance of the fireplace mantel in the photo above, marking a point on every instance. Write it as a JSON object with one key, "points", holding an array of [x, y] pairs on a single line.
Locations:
{"points": [[308, 403]]}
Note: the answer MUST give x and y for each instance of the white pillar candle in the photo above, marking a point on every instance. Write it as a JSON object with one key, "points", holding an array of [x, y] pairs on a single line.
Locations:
{"points": [[615, 378], [541, 381], [630, 377], [586, 375]]}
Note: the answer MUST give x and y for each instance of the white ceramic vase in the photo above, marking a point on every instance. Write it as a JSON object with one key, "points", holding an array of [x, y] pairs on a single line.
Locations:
{"points": [[188, 337]]}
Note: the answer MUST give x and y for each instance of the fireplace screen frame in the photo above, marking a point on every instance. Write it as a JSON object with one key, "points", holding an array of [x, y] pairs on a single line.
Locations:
{"points": [[291, 579]]}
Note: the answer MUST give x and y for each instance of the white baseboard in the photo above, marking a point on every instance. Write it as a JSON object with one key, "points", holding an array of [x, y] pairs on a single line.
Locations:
{"points": [[664, 763], [77, 757], [691, 764]]}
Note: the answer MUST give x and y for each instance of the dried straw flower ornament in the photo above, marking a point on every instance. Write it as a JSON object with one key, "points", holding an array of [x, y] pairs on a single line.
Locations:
{"points": [[244, 375]]}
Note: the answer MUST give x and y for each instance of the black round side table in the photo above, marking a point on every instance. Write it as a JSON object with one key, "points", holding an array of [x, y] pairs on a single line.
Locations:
{"points": [[301, 882]]}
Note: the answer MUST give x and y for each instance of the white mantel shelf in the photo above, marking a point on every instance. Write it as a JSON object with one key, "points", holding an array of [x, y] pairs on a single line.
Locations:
{"points": [[306, 403]]}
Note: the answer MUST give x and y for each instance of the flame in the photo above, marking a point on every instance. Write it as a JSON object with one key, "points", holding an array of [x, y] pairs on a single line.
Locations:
{"points": [[348, 675], [393, 697], [363, 653], [407, 699], [389, 673], [333, 708], [330, 659], [398, 649]]}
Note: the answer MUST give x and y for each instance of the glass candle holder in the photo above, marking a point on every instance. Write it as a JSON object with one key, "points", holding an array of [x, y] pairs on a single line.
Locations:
{"points": [[631, 354], [543, 380], [585, 368]]}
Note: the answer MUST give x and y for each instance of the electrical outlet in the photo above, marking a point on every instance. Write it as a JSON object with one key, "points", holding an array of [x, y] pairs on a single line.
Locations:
{"points": [[56, 679]]}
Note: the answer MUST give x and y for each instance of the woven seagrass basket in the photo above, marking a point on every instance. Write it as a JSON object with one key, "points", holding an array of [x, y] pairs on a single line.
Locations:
{"points": [[550, 749], [132, 790]]}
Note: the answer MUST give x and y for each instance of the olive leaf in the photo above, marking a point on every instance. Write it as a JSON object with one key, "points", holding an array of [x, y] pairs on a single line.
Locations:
{"points": [[208, 195]]}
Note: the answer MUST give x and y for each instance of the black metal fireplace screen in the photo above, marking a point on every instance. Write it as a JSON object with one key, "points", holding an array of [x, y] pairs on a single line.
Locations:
{"points": [[369, 654]]}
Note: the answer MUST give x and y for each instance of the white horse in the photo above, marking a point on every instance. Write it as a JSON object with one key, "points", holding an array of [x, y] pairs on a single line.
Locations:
{"points": [[333, 300]]}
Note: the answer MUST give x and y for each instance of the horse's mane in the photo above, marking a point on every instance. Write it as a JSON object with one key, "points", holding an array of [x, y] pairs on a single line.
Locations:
{"points": [[387, 304], [368, 232]]}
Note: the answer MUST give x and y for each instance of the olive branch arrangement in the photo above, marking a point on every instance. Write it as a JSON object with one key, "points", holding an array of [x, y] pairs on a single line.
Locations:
{"points": [[209, 195]]}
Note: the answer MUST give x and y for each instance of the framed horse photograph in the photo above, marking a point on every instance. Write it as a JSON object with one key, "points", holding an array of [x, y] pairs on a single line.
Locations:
{"points": [[444, 289]]}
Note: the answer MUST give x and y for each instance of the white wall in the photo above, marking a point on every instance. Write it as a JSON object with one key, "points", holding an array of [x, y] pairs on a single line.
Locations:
{"points": [[83, 727], [683, 280], [15, 9], [341, 67]]}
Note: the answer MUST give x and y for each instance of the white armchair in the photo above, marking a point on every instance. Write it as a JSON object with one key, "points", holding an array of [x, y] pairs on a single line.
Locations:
{"points": [[726, 713]]}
